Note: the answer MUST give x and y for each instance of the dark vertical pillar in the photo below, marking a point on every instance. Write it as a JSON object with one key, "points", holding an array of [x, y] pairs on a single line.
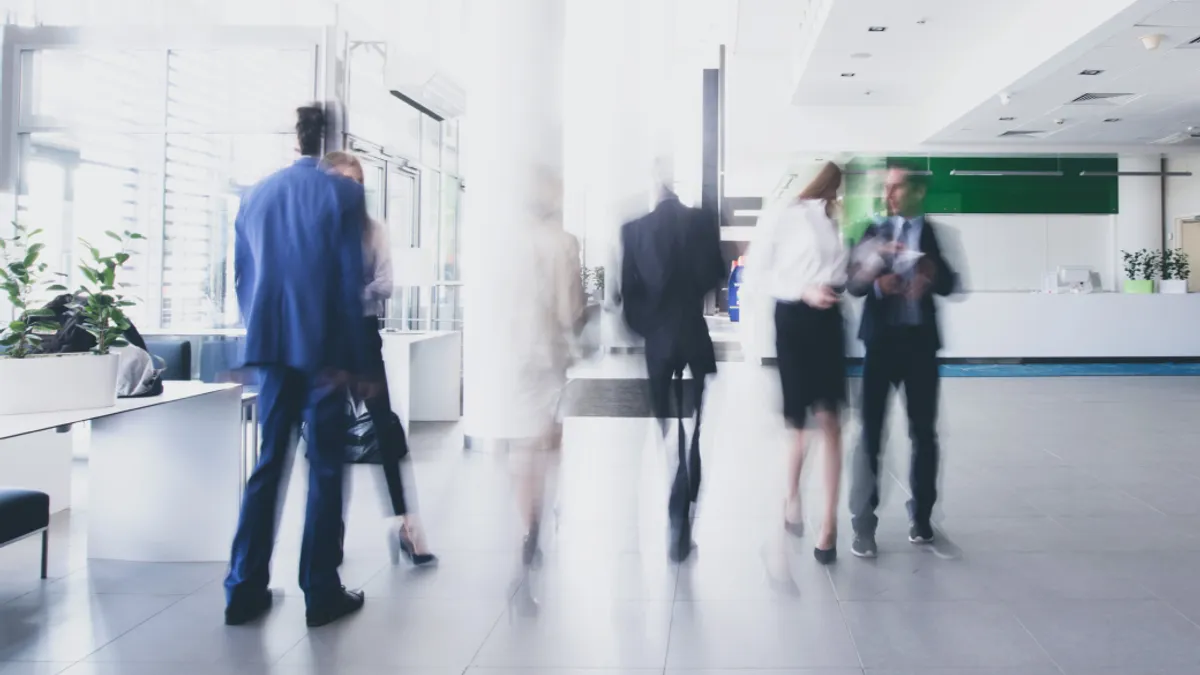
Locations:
{"points": [[711, 142]]}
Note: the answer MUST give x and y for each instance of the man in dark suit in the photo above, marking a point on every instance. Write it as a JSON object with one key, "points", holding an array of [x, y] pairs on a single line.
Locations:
{"points": [[299, 278], [671, 260], [899, 267]]}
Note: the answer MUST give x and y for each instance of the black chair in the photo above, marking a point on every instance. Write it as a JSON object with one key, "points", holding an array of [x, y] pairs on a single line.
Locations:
{"points": [[24, 513], [176, 353]]}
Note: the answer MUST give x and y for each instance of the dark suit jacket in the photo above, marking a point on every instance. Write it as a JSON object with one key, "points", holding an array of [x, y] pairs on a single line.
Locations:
{"points": [[298, 270], [877, 310], [671, 260]]}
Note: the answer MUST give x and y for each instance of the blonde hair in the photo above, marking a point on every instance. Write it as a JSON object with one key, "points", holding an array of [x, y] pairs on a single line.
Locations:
{"points": [[825, 185], [339, 159]]}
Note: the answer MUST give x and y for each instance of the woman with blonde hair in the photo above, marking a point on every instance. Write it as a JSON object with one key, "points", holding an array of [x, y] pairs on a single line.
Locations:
{"points": [[801, 263], [404, 533]]}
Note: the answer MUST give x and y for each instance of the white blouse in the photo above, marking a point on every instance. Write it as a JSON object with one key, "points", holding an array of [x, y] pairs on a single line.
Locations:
{"points": [[796, 246]]}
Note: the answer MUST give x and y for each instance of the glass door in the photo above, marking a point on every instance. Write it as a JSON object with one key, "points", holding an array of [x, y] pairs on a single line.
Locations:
{"points": [[404, 312]]}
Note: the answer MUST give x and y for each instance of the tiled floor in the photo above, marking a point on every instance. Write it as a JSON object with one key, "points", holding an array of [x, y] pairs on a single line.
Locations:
{"points": [[1071, 515]]}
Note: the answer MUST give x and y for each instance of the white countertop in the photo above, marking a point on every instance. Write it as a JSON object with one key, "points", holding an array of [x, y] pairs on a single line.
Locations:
{"points": [[19, 425]]}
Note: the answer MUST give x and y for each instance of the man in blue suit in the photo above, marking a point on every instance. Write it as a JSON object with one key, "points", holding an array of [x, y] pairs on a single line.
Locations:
{"points": [[299, 278]]}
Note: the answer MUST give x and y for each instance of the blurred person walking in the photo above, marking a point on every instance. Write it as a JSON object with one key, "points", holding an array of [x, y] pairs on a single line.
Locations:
{"points": [[542, 325], [298, 274], [800, 261], [671, 260], [899, 266], [405, 537]]}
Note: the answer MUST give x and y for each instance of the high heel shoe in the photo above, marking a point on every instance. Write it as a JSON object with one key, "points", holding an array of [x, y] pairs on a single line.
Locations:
{"points": [[796, 529], [400, 544], [826, 556], [531, 554]]}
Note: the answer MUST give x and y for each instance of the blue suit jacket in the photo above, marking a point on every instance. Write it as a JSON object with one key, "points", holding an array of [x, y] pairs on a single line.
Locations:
{"points": [[299, 270]]}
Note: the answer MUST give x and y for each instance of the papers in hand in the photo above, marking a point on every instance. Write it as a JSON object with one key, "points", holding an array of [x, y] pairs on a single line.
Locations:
{"points": [[874, 257]]}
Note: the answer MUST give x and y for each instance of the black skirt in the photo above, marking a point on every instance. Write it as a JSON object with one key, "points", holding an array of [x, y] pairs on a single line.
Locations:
{"points": [[810, 347]]}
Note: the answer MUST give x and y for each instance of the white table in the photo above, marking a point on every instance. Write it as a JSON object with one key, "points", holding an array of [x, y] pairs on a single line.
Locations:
{"points": [[166, 472], [424, 372]]}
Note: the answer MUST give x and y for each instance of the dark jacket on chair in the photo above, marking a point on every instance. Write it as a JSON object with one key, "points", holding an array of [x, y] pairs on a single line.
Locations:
{"points": [[877, 310]]}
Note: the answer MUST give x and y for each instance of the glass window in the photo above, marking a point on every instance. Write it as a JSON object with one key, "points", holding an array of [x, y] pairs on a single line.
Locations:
{"points": [[238, 90], [449, 308], [205, 177], [93, 89], [373, 174], [431, 142], [448, 248], [450, 147], [79, 186], [431, 190]]}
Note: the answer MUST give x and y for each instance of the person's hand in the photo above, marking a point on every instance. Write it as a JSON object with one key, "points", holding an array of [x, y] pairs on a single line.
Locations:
{"points": [[891, 248], [890, 284], [368, 388], [922, 280], [819, 297]]}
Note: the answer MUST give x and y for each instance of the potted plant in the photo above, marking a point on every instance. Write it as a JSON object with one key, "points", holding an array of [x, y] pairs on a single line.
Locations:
{"points": [[1175, 272], [52, 382], [1140, 267]]}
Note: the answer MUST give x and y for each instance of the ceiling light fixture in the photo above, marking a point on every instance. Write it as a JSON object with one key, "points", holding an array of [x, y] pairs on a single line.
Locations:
{"points": [[876, 29], [1112, 119], [960, 172], [847, 74], [1152, 42], [1007, 119], [860, 55], [1090, 72], [1135, 173]]}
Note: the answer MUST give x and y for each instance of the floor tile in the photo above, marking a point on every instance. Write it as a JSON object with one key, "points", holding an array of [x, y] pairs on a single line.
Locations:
{"points": [[48, 627], [590, 633], [921, 635], [416, 633], [1082, 634], [760, 635], [193, 632]]}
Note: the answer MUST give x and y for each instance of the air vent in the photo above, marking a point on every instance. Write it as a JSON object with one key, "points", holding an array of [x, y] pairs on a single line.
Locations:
{"points": [[1180, 138], [1190, 44], [1103, 99], [1022, 133]]}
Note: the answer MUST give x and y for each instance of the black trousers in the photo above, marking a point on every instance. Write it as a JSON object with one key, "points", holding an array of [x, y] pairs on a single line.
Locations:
{"points": [[907, 358], [667, 383], [389, 432]]}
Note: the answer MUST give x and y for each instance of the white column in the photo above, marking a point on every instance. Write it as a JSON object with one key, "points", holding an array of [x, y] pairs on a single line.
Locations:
{"points": [[512, 147], [1139, 199], [617, 60]]}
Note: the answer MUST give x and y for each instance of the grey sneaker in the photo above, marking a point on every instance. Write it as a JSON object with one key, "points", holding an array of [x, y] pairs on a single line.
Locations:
{"points": [[920, 534], [864, 546]]}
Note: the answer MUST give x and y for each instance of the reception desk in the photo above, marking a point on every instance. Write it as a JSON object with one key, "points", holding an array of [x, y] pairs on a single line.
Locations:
{"points": [[1035, 326]]}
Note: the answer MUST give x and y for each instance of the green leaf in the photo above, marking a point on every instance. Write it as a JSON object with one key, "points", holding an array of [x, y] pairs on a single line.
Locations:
{"points": [[114, 235], [135, 236], [40, 312], [10, 340], [17, 326], [89, 274], [49, 328], [58, 288], [119, 342], [121, 258]]}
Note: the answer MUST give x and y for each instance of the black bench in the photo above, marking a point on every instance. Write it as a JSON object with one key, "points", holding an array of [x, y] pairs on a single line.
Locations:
{"points": [[24, 513]]}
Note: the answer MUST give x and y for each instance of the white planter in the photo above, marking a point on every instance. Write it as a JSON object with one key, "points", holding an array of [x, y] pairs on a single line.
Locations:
{"points": [[1173, 286], [57, 382]]}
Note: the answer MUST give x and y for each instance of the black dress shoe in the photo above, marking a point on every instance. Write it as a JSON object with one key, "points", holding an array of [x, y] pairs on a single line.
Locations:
{"points": [[680, 545], [825, 556], [247, 607], [339, 605]]}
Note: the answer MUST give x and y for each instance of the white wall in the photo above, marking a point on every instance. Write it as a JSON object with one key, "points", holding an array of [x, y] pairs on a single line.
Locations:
{"points": [[1183, 193], [1015, 252]]}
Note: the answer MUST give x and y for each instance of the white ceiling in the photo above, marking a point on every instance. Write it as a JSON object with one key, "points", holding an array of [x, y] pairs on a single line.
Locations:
{"points": [[934, 85], [1165, 84]]}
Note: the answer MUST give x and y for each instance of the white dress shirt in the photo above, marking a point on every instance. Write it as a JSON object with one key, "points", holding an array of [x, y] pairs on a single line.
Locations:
{"points": [[797, 247], [377, 269]]}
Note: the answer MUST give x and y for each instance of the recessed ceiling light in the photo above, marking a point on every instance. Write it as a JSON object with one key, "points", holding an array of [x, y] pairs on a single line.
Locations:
{"points": [[1007, 119], [876, 29], [860, 55], [1090, 72], [847, 74], [1112, 119]]}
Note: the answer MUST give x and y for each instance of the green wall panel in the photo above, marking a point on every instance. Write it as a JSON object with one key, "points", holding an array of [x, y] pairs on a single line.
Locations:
{"points": [[1068, 194]]}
